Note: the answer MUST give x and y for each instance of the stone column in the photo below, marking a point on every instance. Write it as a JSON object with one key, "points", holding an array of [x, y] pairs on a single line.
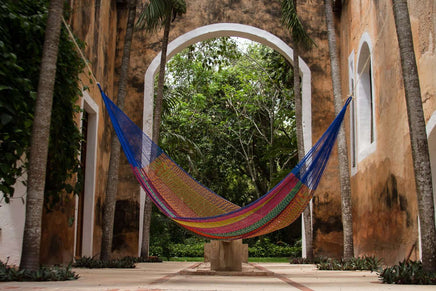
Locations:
{"points": [[226, 255]]}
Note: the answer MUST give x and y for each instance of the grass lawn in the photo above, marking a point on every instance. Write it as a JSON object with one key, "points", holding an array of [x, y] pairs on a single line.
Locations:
{"points": [[251, 260]]}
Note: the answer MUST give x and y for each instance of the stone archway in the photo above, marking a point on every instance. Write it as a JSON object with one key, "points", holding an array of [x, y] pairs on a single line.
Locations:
{"points": [[221, 30]]}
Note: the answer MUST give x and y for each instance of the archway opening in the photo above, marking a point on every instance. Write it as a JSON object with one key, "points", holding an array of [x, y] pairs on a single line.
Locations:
{"points": [[227, 30], [236, 30]]}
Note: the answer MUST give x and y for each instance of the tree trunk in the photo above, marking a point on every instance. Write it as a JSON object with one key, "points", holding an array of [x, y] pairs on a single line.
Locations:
{"points": [[112, 182], [418, 136], [40, 139], [307, 217], [157, 116], [157, 113], [344, 172]]}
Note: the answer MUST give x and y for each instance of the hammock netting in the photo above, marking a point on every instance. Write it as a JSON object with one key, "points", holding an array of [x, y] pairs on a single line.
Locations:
{"points": [[195, 207]]}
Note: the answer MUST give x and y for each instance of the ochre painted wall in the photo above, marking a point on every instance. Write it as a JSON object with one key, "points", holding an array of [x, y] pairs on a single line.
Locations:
{"points": [[383, 190], [97, 24]]}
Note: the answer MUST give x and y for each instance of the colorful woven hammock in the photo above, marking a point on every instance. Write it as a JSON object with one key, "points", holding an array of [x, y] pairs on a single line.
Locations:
{"points": [[195, 207]]}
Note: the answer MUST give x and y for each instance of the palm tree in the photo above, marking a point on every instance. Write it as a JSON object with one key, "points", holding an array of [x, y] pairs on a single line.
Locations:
{"points": [[299, 39], [156, 14], [418, 137], [344, 172], [112, 182], [40, 138]]}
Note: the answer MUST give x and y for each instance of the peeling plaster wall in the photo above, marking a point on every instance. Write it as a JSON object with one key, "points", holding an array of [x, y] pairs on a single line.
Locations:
{"points": [[383, 190], [97, 23]]}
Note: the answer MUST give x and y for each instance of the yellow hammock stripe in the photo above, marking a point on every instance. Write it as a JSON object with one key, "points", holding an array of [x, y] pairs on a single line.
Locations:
{"points": [[214, 224]]}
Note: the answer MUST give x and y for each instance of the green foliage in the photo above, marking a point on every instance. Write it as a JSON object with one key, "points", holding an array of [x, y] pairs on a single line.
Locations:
{"points": [[165, 232], [232, 126], [55, 273], [265, 248], [300, 260], [228, 120], [194, 247], [407, 272], [150, 259], [22, 25], [124, 263], [92, 263], [362, 263], [190, 247], [65, 141], [21, 32], [184, 250]]}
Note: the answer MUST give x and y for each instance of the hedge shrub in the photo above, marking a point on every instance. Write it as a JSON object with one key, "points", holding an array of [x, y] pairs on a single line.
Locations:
{"points": [[262, 248]]}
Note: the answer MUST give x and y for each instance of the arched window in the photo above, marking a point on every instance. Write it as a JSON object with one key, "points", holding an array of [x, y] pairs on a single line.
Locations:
{"points": [[365, 122], [351, 92]]}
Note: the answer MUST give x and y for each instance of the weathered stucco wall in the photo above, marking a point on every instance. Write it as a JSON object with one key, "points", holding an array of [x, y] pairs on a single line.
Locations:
{"points": [[97, 24], [327, 221], [383, 190]]}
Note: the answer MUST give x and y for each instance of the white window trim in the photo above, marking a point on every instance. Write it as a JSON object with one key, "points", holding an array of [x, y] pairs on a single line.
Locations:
{"points": [[351, 92], [369, 149], [91, 107]]}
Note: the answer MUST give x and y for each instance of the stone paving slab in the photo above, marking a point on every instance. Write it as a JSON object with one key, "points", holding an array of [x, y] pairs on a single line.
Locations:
{"points": [[203, 269], [175, 276]]}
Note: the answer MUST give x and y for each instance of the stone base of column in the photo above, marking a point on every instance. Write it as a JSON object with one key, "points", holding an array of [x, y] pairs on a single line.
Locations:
{"points": [[226, 255]]}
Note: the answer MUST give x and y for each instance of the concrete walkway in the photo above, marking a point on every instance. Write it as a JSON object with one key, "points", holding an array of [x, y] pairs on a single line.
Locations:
{"points": [[179, 276]]}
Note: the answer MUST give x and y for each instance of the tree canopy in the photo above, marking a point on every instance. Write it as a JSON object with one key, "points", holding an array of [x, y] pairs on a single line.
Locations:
{"points": [[22, 26]]}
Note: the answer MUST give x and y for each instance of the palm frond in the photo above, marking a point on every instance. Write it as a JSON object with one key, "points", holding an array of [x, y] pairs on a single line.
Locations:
{"points": [[291, 21], [156, 12], [170, 101], [179, 7]]}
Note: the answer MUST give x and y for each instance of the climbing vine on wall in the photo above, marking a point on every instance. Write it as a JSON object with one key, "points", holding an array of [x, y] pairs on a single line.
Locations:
{"points": [[22, 25]]}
